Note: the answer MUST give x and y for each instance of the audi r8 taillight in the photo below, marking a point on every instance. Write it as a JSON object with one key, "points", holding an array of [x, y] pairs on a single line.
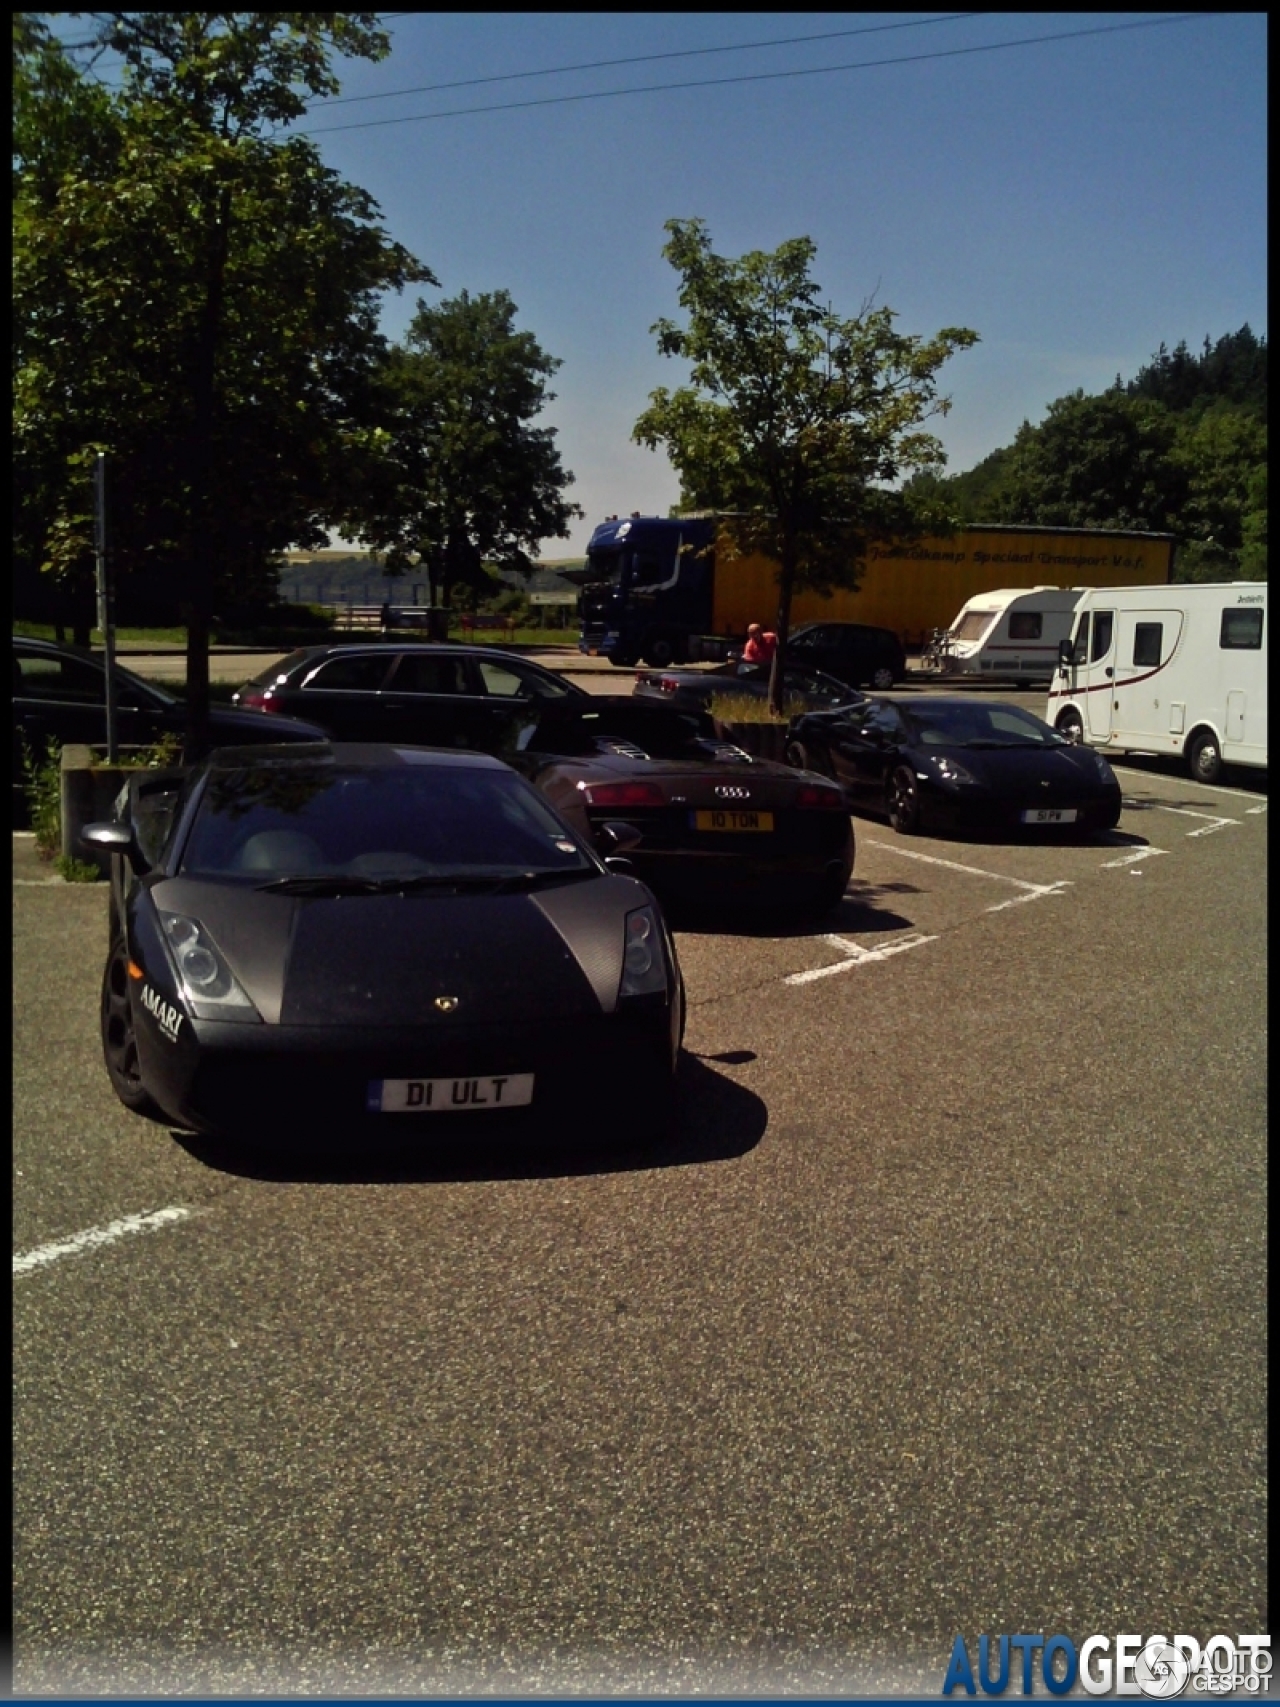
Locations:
{"points": [[615, 794], [814, 795]]}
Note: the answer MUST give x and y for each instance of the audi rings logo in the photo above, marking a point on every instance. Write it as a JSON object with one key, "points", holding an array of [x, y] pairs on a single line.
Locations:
{"points": [[731, 791]]}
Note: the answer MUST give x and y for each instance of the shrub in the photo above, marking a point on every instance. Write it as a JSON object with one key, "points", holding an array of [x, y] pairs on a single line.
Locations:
{"points": [[42, 786]]}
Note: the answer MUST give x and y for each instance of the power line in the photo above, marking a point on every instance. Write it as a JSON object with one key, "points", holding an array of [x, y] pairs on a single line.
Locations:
{"points": [[647, 58], [763, 76], [605, 64]]}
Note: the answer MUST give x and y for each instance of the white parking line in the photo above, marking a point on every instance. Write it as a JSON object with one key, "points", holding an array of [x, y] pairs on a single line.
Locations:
{"points": [[970, 870], [1038, 894], [92, 1237], [1182, 782], [1253, 811], [1186, 812], [1132, 857], [856, 955]]}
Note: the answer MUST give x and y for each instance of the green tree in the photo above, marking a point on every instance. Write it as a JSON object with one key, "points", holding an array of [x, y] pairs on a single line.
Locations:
{"points": [[1096, 462], [194, 295], [799, 421], [1221, 453], [468, 478]]}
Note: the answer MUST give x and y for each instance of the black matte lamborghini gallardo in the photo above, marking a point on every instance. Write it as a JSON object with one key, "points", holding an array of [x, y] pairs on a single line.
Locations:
{"points": [[313, 939]]}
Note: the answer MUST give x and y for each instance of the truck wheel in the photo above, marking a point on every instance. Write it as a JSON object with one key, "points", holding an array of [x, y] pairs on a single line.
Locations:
{"points": [[1204, 756], [1070, 727], [659, 651], [882, 678]]}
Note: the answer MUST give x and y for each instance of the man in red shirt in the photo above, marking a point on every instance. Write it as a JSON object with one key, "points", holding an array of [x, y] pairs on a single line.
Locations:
{"points": [[761, 645]]}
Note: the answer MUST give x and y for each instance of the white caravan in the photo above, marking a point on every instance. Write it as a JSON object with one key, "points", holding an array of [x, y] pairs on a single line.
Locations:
{"points": [[1012, 632], [1173, 669]]}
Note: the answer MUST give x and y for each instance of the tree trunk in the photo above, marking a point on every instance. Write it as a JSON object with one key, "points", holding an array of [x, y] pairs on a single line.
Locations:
{"points": [[786, 582], [199, 610]]}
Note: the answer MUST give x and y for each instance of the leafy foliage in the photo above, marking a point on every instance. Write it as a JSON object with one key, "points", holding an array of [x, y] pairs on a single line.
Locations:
{"points": [[467, 477], [1181, 448], [797, 419], [194, 296], [42, 790]]}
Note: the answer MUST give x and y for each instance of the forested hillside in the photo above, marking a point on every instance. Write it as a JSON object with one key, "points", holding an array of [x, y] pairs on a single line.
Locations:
{"points": [[1181, 448]]}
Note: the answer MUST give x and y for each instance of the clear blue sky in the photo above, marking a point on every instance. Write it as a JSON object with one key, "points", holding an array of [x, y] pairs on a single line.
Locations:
{"points": [[1075, 202]]}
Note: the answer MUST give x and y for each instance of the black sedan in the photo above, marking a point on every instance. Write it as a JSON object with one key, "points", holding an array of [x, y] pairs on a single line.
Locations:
{"points": [[320, 938], [701, 821], [958, 764], [436, 695], [692, 690], [59, 694]]}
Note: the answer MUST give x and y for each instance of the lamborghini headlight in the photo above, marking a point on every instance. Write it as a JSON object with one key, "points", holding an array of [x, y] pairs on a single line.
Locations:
{"points": [[209, 986], [951, 770], [644, 959]]}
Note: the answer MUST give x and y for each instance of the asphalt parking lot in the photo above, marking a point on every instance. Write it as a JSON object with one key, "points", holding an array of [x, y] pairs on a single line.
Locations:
{"points": [[944, 1313]]}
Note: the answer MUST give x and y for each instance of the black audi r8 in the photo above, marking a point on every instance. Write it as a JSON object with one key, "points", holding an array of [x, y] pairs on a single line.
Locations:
{"points": [[314, 938], [701, 821], [958, 764]]}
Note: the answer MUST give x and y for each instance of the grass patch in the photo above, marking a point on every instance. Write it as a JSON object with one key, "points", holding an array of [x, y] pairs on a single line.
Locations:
{"points": [[312, 634], [220, 693], [751, 708], [73, 870]]}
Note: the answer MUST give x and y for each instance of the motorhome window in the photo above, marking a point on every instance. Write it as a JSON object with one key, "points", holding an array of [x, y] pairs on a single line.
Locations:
{"points": [[1103, 623], [1025, 624], [1146, 642], [1241, 631], [1080, 644], [973, 625]]}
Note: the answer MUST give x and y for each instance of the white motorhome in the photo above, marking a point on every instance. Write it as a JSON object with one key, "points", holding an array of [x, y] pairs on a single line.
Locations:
{"points": [[1011, 632], [1173, 669]]}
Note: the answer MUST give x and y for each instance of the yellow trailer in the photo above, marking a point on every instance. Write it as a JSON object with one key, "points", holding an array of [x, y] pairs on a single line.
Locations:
{"points": [[666, 589], [918, 586]]}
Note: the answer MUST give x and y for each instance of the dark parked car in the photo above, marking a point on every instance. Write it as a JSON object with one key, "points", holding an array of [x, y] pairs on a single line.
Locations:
{"points": [[691, 690], [852, 651], [438, 695], [309, 939], [59, 693], [699, 820], [958, 764]]}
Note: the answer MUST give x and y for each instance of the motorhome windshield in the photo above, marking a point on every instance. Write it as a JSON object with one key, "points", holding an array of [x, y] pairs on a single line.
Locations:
{"points": [[973, 625]]}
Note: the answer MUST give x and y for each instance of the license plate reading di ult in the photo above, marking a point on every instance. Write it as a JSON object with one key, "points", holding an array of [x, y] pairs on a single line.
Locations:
{"points": [[1050, 815], [720, 819], [448, 1096]]}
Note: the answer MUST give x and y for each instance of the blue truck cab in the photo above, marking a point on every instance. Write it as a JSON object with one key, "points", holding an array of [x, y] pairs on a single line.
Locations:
{"points": [[648, 589]]}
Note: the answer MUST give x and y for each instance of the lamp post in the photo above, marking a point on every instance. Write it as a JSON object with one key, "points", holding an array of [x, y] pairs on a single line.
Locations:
{"points": [[106, 613]]}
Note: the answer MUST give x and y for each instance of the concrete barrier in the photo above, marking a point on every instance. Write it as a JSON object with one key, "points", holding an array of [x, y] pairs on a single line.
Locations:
{"points": [[87, 795]]}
